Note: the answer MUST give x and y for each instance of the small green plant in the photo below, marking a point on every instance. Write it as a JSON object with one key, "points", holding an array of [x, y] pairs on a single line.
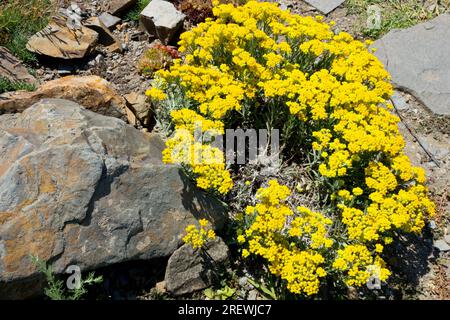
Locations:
{"points": [[7, 85], [19, 19], [223, 293], [55, 288], [266, 291], [395, 14], [156, 58], [135, 12]]}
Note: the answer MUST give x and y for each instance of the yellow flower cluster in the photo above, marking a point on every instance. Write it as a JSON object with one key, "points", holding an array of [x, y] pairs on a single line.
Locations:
{"points": [[207, 163], [221, 72], [278, 234], [311, 227], [359, 265], [258, 58], [295, 244], [231, 60], [156, 94], [405, 210], [215, 91], [197, 237], [191, 121]]}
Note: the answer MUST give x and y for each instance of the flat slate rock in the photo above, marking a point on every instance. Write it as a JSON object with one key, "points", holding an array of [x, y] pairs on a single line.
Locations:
{"points": [[418, 58], [109, 20], [12, 68], [58, 41], [119, 6], [325, 6], [105, 36]]}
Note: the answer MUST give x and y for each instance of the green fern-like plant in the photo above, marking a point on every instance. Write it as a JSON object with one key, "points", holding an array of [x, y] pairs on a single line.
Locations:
{"points": [[55, 289]]}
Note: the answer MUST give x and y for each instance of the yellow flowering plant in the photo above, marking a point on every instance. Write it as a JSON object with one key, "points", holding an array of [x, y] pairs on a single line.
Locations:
{"points": [[258, 66], [290, 241], [198, 236]]}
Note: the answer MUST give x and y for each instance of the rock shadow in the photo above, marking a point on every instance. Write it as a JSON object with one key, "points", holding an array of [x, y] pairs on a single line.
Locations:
{"points": [[202, 204], [409, 257]]}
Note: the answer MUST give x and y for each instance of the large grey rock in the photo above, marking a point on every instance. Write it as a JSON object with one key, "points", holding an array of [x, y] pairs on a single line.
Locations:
{"points": [[79, 188], [325, 6], [162, 20], [418, 60], [190, 270], [12, 68]]}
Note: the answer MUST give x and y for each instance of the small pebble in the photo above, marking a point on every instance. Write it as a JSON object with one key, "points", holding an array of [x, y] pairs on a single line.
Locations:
{"points": [[99, 58], [398, 101], [252, 295], [242, 281], [432, 224]]}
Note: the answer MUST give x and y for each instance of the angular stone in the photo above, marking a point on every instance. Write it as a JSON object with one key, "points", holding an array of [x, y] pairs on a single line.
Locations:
{"points": [[325, 6], [190, 270], [447, 238], [115, 48], [161, 287], [162, 20], [79, 188], [139, 106], [441, 245], [58, 41], [418, 60], [92, 92], [106, 37], [398, 101], [439, 150], [119, 6], [109, 20], [12, 68]]}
